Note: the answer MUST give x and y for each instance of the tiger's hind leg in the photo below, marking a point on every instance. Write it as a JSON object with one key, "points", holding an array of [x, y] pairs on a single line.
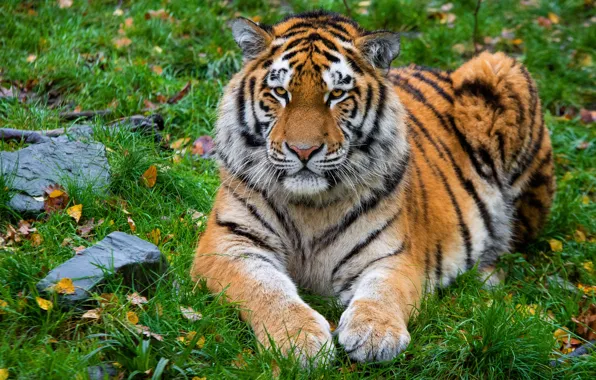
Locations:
{"points": [[498, 113]]}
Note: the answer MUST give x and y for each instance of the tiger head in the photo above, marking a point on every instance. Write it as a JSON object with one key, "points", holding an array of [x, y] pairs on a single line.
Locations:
{"points": [[311, 112]]}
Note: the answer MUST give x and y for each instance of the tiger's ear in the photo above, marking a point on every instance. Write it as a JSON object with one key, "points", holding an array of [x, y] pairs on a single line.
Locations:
{"points": [[379, 48], [251, 37]]}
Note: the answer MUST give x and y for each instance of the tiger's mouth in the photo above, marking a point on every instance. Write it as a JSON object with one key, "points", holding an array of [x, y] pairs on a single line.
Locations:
{"points": [[305, 182]]}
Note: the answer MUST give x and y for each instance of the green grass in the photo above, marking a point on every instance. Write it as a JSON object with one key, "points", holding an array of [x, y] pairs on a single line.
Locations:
{"points": [[463, 331]]}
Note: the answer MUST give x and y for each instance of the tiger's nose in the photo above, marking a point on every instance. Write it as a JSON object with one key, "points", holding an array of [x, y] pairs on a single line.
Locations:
{"points": [[304, 151]]}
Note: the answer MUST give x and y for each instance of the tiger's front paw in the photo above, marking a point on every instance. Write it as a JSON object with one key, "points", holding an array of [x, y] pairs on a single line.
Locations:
{"points": [[370, 332], [302, 332]]}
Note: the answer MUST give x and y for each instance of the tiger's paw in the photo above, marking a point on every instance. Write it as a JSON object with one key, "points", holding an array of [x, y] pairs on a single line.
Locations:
{"points": [[368, 332], [302, 333]]}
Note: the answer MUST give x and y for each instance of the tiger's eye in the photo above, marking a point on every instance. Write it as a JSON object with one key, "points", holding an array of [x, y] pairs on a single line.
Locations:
{"points": [[280, 91], [337, 93]]}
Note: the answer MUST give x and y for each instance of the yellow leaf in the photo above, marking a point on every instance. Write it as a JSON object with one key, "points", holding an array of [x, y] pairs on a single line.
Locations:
{"points": [[517, 41], [75, 211], [180, 143], [36, 240], [585, 199], [155, 236], [2, 305], [568, 176], [56, 193], [122, 42], [157, 69], [64, 4], [150, 176], [555, 245], [64, 286], [554, 18], [44, 304], [3, 373], [132, 317], [198, 378], [31, 58], [132, 224], [579, 236], [588, 266], [157, 49], [201, 342]]}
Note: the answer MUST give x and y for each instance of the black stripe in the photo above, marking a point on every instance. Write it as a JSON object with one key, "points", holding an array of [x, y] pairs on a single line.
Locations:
{"points": [[253, 211], [462, 226], [479, 89], [422, 191], [448, 125], [239, 230], [330, 235], [466, 183], [330, 57], [351, 280], [363, 244], [439, 263], [437, 88], [440, 75], [371, 136]]}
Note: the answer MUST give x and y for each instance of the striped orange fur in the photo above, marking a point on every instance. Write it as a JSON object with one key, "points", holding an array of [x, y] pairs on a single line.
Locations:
{"points": [[349, 178]]}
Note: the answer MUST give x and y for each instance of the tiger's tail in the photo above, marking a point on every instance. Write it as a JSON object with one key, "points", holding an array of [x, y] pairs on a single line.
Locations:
{"points": [[498, 110]]}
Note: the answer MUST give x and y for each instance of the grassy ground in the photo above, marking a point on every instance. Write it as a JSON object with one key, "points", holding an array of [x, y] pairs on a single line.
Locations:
{"points": [[68, 58]]}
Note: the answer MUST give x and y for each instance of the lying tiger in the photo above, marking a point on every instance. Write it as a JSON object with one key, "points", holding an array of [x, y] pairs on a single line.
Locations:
{"points": [[348, 178]]}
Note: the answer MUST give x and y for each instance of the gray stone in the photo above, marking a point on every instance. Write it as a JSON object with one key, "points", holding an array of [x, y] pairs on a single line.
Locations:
{"points": [[128, 255], [102, 372], [58, 161]]}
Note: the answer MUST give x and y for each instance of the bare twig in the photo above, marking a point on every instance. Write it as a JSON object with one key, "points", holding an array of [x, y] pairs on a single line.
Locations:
{"points": [[176, 98], [475, 36], [137, 122], [83, 114], [348, 10]]}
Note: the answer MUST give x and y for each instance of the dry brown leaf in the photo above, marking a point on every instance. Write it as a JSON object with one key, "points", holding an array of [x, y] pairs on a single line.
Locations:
{"points": [[150, 176], [56, 199], [178, 144], [64, 286], [36, 240], [128, 22], [203, 146], [190, 314], [176, 98], [132, 225], [75, 212], [146, 332], [79, 249], [92, 314], [63, 4], [157, 69], [122, 42], [136, 299]]}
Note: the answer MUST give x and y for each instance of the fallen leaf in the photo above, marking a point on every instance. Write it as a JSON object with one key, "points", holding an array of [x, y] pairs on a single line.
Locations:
{"points": [[79, 249], [176, 98], [149, 105], [579, 236], [75, 212], [85, 229], [203, 146], [160, 13], [136, 299], [588, 266], [64, 286], [56, 199], [517, 41], [3, 373], [132, 225], [544, 22], [190, 314], [122, 42], [3, 304], [583, 145], [128, 22], [585, 199], [150, 176], [56, 193], [36, 240], [587, 116], [132, 317], [118, 12], [154, 236], [144, 330], [92, 314], [108, 299], [44, 304], [178, 144], [31, 58], [157, 69], [555, 245], [157, 49], [554, 18], [64, 4]]}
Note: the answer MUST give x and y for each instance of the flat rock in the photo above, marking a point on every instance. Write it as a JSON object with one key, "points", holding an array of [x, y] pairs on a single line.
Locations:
{"points": [[56, 161], [130, 256]]}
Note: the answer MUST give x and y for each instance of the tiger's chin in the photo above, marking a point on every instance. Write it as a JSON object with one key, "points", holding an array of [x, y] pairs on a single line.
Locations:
{"points": [[305, 183]]}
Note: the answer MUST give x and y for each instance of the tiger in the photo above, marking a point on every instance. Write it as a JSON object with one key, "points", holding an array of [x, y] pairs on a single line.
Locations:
{"points": [[348, 178]]}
